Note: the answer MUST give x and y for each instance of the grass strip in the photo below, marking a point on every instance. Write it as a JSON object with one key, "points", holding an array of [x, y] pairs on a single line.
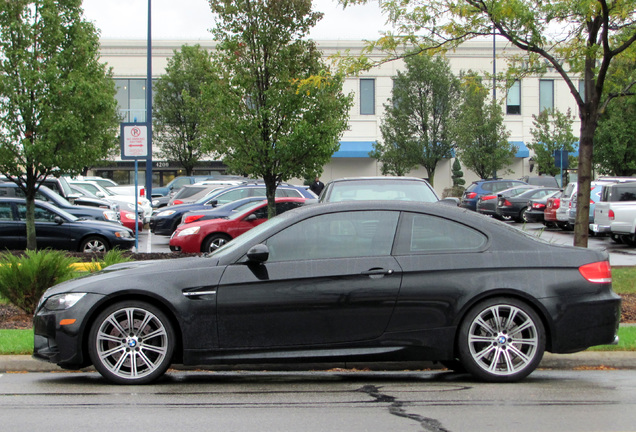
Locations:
{"points": [[15, 342]]}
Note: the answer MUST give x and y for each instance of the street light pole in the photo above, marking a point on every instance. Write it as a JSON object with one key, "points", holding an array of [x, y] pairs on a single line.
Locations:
{"points": [[149, 107]]}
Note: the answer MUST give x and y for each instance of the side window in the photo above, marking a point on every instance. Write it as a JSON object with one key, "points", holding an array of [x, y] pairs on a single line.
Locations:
{"points": [[232, 195], [367, 96], [421, 233], [285, 206], [179, 183], [336, 235], [513, 99], [5, 212], [44, 215], [259, 192], [261, 213]]}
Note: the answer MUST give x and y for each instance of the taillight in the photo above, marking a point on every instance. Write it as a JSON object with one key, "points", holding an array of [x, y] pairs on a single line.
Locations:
{"points": [[488, 197], [556, 203], [142, 192], [471, 195], [193, 218], [177, 202], [538, 206], [506, 203], [611, 214], [598, 272]]}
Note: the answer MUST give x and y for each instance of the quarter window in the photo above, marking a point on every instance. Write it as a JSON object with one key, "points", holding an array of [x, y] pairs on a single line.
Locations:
{"points": [[420, 233]]}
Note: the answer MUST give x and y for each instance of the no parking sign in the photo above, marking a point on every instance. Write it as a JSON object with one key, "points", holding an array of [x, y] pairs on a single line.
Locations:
{"points": [[134, 141]]}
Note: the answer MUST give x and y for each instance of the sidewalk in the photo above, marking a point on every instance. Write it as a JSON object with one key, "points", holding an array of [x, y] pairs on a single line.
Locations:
{"points": [[584, 360]]}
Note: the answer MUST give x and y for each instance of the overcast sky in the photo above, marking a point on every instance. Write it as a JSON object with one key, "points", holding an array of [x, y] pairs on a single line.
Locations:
{"points": [[191, 19]]}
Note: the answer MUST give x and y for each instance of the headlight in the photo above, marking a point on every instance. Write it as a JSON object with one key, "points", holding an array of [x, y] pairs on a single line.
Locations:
{"points": [[130, 216], [188, 231], [123, 234], [110, 215], [62, 301], [166, 213]]}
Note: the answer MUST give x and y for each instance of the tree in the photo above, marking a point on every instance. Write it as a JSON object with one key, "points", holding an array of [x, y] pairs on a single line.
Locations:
{"points": [[281, 112], [615, 139], [481, 137], [180, 110], [578, 39], [417, 123], [457, 174], [58, 112], [552, 131]]}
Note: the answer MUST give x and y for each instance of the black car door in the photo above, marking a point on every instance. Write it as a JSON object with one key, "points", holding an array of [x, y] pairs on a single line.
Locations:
{"points": [[329, 279], [12, 232], [48, 232]]}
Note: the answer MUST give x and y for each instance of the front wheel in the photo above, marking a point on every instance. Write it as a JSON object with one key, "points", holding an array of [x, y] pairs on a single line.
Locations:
{"points": [[94, 244], [501, 340], [131, 342], [214, 242]]}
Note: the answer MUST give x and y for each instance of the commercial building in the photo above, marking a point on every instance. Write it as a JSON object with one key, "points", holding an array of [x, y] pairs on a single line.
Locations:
{"points": [[371, 91]]}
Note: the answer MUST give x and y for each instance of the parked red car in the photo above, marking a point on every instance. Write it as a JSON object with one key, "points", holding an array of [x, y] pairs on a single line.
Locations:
{"points": [[550, 212], [209, 235], [127, 219]]}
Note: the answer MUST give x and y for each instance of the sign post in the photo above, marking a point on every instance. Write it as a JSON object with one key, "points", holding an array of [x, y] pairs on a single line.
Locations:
{"points": [[134, 145]]}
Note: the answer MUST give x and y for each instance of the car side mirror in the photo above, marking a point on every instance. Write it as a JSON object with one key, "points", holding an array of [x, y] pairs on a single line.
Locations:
{"points": [[58, 220], [250, 218], [258, 254], [212, 203]]}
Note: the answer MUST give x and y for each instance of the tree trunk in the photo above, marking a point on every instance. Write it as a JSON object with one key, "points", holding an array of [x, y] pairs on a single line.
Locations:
{"points": [[270, 191], [581, 226], [30, 223]]}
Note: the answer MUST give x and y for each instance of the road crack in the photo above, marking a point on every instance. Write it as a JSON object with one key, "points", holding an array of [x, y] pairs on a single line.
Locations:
{"points": [[397, 408]]}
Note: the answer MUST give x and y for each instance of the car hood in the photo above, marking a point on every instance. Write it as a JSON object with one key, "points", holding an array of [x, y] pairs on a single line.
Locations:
{"points": [[140, 275]]}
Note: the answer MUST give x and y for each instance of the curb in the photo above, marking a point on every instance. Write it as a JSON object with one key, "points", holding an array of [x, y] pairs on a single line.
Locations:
{"points": [[582, 360]]}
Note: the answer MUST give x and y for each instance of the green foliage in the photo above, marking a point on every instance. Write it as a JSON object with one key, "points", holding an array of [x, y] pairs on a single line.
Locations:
{"points": [[481, 137], [552, 131], [457, 174], [416, 129], [615, 139], [24, 279], [58, 112], [181, 113], [114, 256], [281, 111], [16, 342], [624, 280]]}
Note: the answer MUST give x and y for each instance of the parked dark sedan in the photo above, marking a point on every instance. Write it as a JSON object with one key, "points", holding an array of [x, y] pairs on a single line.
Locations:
{"points": [[536, 207], [58, 229], [361, 280], [516, 206], [487, 204]]}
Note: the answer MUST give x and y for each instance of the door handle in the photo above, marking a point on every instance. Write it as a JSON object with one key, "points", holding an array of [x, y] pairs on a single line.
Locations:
{"points": [[377, 272]]}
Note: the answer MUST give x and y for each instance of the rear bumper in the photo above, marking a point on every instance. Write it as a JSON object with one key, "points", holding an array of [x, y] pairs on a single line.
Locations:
{"points": [[600, 229]]}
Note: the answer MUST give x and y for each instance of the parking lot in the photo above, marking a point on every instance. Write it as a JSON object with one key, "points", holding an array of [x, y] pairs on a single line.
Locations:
{"points": [[620, 254]]}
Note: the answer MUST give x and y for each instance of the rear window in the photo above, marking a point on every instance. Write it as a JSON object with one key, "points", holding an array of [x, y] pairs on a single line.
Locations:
{"points": [[619, 193], [391, 190]]}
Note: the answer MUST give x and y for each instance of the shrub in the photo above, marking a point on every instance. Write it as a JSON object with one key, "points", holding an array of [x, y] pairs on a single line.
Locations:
{"points": [[24, 279]]}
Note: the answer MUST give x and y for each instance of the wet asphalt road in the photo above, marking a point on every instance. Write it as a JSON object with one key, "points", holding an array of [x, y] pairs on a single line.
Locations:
{"points": [[584, 400]]}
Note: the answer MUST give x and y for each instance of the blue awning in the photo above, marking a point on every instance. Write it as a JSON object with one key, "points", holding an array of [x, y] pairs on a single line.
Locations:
{"points": [[523, 151], [354, 149]]}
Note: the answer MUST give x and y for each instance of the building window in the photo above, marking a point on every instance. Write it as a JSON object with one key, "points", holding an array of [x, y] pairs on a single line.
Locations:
{"points": [[131, 98], [546, 94], [513, 100], [582, 89], [367, 96]]}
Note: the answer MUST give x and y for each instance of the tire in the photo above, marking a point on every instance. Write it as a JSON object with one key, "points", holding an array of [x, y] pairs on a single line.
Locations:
{"points": [[523, 217], [501, 340], [215, 241], [94, 244], [628, 239], [616, 238], [137, 354]]}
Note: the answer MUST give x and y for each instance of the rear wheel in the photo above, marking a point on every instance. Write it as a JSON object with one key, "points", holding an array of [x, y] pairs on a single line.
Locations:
{"points": [[501, 340], [523, 216], [131, 342]]}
